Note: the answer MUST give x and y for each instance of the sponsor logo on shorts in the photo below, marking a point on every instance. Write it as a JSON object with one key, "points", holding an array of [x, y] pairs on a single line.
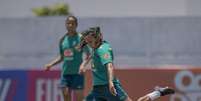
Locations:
{"points": [[79, 86]]}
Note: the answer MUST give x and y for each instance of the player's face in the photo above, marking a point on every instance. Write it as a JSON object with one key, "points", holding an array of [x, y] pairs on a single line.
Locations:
{"points": [[71, 24], [91, 41]]}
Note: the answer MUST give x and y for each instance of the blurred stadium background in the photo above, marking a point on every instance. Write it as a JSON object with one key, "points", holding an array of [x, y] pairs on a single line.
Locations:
{"points": [[155, 42]]}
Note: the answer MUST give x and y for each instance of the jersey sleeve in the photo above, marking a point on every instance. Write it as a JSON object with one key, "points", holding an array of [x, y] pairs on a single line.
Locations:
{"points": [[105, 56]]}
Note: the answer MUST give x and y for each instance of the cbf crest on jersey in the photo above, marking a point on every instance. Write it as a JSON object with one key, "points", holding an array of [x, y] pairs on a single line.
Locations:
{"points": [[106, 56]]}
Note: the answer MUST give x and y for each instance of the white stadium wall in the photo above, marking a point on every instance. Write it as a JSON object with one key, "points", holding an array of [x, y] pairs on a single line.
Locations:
{"points": [[136, 41]]}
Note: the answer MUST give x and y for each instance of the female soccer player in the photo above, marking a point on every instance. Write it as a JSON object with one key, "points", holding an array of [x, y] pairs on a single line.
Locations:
{"points": [[72, 58], [106, 87]]}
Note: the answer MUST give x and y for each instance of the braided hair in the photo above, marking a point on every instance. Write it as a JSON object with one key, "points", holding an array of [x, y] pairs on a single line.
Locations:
{"points": [[93, 31]]}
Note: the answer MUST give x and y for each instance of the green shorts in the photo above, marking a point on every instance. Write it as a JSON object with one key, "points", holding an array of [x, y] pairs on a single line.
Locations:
{"points": [[102, 93], [74, 82]]}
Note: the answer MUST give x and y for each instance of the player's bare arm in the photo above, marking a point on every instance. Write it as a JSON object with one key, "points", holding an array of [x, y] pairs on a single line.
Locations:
{"points": [[84, 64], [110, 78], [110, 68], [56, 61]]}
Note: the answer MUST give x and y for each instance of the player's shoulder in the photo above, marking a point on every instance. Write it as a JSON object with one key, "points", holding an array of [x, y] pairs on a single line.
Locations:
{"points": [[104, 47], [62, 38]]}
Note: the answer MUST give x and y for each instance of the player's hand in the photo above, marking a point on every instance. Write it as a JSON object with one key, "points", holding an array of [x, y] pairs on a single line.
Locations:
{"points": [[82, 69], [112, 89], [47, 67]]}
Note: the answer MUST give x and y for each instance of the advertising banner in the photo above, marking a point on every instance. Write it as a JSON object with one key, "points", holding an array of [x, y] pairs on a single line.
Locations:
{"points": [[44, 86], [13, 86], [139, 82]]}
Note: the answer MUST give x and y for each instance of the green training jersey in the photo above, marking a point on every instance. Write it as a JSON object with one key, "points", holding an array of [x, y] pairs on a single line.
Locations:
{"points": [[72, 57], [100, 57]]}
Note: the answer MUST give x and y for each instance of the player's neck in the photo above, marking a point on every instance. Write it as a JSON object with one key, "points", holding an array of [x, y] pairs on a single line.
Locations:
{"points": [[71, 33]]}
